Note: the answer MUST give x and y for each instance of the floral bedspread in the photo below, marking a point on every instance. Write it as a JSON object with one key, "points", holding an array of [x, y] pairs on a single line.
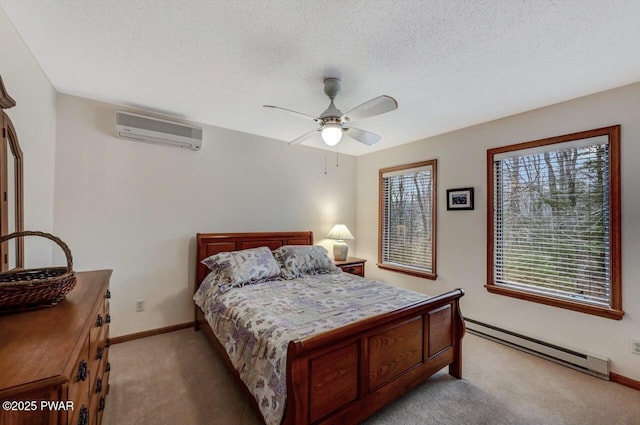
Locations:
{"points": [[256, 322]]}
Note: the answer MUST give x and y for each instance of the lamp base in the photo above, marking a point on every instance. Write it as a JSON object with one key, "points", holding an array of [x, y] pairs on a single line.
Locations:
{"points": [[340, 250]]}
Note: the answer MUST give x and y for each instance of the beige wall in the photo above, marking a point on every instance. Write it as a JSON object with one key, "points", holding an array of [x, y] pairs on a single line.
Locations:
{"points": [[34, 119], [136, 207], [461, 249]]}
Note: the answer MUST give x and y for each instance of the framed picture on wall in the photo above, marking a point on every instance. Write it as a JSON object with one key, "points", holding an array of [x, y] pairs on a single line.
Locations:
{"points": [[460, 199]]}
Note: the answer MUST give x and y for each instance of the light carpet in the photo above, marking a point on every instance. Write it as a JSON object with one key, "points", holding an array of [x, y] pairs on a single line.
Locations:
{"points": [[177, 378]]}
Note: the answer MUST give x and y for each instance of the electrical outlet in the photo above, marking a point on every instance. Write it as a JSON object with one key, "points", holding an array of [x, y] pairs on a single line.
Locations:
{"points": [[140, 305], [635, 345]]}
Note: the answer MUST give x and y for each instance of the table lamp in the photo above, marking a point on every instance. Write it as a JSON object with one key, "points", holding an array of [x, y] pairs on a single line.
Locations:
{"points": [[340, 233]]}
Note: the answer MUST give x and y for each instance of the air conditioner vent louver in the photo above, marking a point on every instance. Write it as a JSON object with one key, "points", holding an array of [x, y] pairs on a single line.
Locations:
{"points": [[153, 130]]}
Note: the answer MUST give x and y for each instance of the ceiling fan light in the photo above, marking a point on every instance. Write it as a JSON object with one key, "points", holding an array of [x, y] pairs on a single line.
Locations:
{"points": [[331, 134]]}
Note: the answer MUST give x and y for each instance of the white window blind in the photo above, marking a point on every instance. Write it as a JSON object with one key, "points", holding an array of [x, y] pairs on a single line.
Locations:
{"points": [[406, 222], [551, 222]]}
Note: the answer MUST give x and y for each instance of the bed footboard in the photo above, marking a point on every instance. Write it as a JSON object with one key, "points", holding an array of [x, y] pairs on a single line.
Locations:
{"points": [[345, 375]]}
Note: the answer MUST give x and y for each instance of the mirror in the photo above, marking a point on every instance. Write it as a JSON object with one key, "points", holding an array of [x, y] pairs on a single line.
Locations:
{"points": [[11, 188], [14, 202], [11, 212]]}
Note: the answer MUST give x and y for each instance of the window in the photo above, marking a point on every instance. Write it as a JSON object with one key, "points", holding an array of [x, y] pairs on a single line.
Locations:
{"points": [[407, 219], [554, 221]]}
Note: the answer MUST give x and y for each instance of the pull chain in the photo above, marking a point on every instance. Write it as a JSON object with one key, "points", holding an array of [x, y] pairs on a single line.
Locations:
{"points": [[337, 160]]}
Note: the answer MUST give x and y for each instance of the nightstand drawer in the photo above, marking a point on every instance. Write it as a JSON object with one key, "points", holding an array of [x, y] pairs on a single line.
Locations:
{"points": [[352, 265], [357, 269]]}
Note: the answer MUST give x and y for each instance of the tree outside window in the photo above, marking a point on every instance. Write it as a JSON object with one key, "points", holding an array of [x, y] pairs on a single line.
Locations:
{"points": [[554, 221], [407, 242]]}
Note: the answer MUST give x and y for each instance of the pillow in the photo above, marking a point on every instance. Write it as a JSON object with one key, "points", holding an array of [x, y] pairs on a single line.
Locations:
{"points": [[239, 268], [300, 260], [209, 284]]}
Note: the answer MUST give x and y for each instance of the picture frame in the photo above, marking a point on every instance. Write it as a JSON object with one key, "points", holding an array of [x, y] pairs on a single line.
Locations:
{"points": [[460, 199]]}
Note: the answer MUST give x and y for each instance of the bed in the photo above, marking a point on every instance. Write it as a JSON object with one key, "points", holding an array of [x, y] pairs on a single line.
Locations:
{"points": [[344, 375]]}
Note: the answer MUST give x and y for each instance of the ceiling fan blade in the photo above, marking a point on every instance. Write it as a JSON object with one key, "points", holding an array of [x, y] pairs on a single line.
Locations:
{"points": [[362, 136], [300, 114], [304, 137], [371, 108]]}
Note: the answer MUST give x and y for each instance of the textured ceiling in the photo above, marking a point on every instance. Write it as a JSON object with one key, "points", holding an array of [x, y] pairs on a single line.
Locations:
{"points": [[449, 63]]}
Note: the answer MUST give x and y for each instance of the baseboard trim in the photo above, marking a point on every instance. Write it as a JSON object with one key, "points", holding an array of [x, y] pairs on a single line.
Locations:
{"points": [[152, 332], [623, 380]]}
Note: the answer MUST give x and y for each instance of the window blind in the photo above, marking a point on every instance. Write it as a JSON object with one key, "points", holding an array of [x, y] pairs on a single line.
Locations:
{"points": [[407, 217], [551, 222]]}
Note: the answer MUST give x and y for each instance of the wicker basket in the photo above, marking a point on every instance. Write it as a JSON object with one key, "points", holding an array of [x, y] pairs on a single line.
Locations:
{"points": [[36, 288]]}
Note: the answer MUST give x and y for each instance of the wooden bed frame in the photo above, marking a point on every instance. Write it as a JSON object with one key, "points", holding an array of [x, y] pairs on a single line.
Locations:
{"points": [[345, 375]]}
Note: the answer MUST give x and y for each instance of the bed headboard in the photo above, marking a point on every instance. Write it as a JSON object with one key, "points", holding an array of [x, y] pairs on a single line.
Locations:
{"points": [[208, 244]]}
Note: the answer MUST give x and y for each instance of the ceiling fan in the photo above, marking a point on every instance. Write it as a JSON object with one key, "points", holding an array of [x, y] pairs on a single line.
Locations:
{"points": [[333, 123]]}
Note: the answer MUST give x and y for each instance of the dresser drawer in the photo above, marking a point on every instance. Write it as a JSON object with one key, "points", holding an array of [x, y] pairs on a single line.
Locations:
{"points": [[79, 382], [81, 414], [102, 397], [107, 300], [98, 352]]}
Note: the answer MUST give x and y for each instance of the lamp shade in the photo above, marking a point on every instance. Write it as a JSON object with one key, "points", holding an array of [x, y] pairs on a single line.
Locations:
{"points": [[340, 232]]}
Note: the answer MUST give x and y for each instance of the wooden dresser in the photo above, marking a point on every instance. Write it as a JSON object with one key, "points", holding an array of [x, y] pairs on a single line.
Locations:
{"points": [[56, 359]]}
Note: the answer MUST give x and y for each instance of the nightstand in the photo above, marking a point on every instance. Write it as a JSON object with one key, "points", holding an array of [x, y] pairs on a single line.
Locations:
{"points": [[352, 265]]}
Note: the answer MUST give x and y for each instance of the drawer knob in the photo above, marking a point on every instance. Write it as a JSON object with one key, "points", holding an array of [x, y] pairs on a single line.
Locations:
{"points": [[108, 294], [108, 368], [108, 319], [101, 404], [99, 386], [100, 321], [107, 343], [83, 417], [351, 269], [82, 371], [99, 353]]}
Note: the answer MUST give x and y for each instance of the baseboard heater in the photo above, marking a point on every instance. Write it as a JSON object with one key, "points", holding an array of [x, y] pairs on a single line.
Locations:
{"points": [[588, 363]]}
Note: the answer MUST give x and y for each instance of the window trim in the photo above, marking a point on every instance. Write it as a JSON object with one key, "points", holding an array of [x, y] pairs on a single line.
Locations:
{"points": [[433, 274], [615, 261]]}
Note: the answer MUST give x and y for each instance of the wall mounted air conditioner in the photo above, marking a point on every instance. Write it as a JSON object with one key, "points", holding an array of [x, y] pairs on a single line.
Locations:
{"points": [[153, 130]]}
